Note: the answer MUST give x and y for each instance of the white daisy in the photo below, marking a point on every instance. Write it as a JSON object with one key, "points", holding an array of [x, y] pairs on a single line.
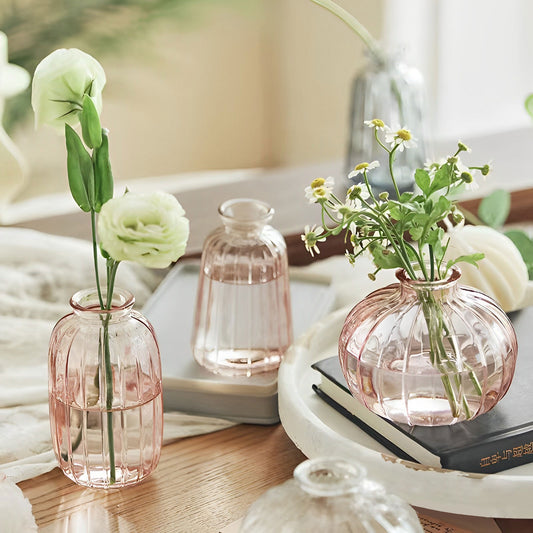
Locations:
{"points": [[357, 192], [376, 123], [347, 209], [311, 237], [362, 167], [320, 189], [401, 137]]}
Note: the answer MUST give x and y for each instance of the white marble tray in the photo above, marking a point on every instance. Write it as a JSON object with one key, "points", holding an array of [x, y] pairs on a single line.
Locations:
{"points": [[319, 430]]}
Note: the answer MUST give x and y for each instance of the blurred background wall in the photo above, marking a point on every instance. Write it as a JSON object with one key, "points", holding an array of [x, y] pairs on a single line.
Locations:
{"points": [[195, 84]]}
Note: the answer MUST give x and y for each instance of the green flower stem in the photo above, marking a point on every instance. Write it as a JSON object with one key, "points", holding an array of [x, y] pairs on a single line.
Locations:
{"points": [[378, 140], [391, 170], [439, 358], [112, 267], [370, 191], [95, 258], [431, 263], [355, 25]]}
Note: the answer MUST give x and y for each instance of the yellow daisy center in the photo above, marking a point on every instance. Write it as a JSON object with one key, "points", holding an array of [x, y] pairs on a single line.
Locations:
{"points": [[319, 191], [378, 123], [361, 166], [405, 135], [317, 182]]}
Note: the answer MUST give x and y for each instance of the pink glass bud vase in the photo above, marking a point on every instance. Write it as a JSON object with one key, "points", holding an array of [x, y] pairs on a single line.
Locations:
{"points": [[105, 393], [243, 322], [428, 353]]}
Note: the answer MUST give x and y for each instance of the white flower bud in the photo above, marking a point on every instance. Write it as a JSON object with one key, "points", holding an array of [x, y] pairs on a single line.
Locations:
{"points": [[59, 83]]}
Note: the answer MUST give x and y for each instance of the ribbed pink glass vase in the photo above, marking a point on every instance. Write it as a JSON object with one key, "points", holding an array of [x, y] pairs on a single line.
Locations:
{"points": [[243, 322], [105, 393], [428, 353]]}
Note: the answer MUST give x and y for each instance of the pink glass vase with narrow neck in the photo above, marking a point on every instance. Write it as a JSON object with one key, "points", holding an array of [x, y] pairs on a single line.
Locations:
{"points": [[243, 322], [105, 393]]}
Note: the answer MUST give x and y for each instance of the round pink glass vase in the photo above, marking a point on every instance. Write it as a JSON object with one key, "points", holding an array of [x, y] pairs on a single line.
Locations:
{"points": [[428, 353], [105, 394], [243, 322]]}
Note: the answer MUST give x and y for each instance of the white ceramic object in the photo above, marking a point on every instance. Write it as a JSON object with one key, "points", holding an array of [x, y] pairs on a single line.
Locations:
{"points": [[319, 430], [502, 274]]}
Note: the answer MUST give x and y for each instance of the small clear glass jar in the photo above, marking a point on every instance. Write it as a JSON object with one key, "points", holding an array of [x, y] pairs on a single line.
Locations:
{"points": [[243, 322], [329, 494], [105, 392]]}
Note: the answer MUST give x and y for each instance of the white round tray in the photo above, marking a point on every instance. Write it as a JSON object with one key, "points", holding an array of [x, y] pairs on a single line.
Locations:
{"points": [[318, 430]]}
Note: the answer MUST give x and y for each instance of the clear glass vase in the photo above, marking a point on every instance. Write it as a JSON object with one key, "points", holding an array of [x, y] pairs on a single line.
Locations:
{"points": [[329, 494], [105, 393], [428, 353], [243, 319], [390, 90]]}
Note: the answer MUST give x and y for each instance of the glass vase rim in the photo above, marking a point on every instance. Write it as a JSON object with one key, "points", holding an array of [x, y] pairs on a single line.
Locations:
{"points": [[86, 301], [329, 476], [421, 284], [263, 212]]}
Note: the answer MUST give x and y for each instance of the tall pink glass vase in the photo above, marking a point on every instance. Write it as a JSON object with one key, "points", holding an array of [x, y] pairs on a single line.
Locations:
{"points": [[105, 393], [428, 353]]}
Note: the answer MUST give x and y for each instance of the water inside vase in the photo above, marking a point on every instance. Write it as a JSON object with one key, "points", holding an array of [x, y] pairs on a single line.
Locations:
{"points": [[239, 329], [80, 438]]}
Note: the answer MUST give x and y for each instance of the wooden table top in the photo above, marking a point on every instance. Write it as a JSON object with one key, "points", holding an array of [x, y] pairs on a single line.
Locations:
{"points": [[202, 484]]}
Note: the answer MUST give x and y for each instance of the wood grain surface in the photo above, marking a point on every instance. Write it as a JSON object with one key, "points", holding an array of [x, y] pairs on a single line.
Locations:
{"points": [[201, 484]]}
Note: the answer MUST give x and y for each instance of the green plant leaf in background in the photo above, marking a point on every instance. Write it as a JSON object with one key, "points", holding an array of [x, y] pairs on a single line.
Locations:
{"points": [[528, 104], [525, 246], [494, 208]]}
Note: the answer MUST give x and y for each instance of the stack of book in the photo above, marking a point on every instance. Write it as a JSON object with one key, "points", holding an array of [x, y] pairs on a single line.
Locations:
{"points": [[496, 441]]}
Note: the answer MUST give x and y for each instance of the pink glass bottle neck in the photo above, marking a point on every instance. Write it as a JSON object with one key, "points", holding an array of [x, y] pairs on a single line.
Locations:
{"points": [[245, 215], [85, 303], [443, 288]]}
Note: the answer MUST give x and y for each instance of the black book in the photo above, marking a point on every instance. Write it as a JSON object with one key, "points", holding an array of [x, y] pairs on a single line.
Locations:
{"points": [[492, 442]]}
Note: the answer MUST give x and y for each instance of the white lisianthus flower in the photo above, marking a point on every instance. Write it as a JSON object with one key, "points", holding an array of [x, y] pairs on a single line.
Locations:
{"points": [[59, 83], [149, 228]]}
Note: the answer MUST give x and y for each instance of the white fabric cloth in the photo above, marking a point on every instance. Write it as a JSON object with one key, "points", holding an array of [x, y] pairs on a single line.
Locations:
{"points": [[38, 275]]}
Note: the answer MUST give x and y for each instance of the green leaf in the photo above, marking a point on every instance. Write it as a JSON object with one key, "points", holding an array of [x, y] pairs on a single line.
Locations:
{"points": [[441, 179], [384, 258], [90, 123], [434, 237], [420, 219], [423, 180], [395, 213], [471, 259], [494, 208], [80, 170], [103, 176], [528, 104], [405, 197], [524, 245], [416, 232], [441, 208]]}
